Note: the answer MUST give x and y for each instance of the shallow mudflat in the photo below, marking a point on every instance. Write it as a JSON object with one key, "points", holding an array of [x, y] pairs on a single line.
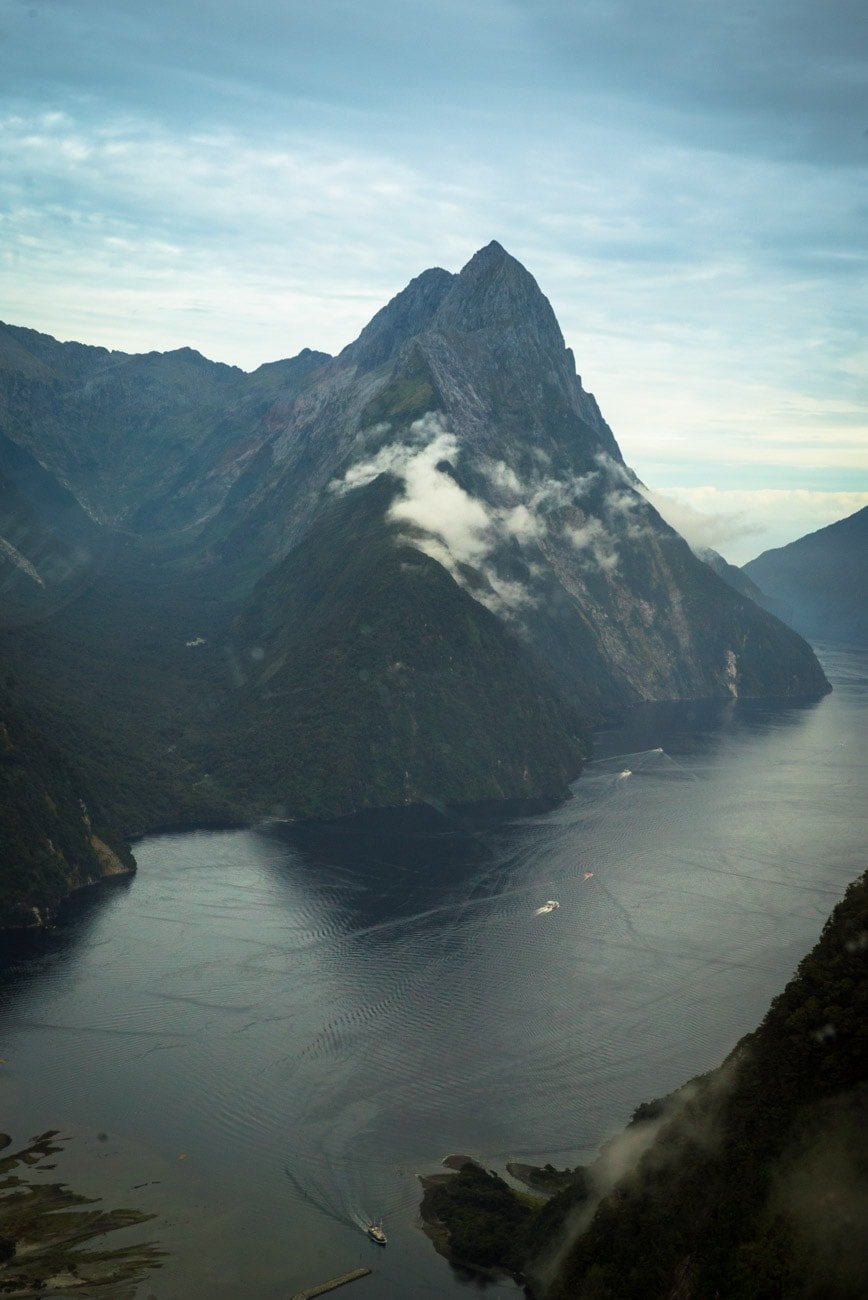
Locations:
{"points": [[46, 1231]]}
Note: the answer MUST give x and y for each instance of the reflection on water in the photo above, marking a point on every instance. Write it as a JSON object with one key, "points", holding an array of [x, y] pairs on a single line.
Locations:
{"points": [[276, 1029]]}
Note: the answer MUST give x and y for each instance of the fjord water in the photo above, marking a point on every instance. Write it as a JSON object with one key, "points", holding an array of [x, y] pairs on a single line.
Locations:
{"points": [[267, 1034]]}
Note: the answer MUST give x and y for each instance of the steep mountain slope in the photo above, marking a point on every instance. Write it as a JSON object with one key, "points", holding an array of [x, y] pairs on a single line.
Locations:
{"points": [[821, 580], [125, 433], [749, 1183], [404, 572], [49, 547], [371, 678], [512, 480], [732, 574], [55, 836], [757, 1183], [129, 674]]}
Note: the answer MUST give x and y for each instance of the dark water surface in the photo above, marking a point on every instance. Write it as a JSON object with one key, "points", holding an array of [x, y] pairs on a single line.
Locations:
{"points": [[311, 1017]]}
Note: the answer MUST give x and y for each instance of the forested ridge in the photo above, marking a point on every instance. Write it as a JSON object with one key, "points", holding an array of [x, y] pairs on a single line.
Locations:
{"points": [[55, 834], [754, 1186]]}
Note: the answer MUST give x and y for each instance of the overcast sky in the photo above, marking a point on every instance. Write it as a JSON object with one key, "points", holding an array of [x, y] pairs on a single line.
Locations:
{"points": [[688, 182]]}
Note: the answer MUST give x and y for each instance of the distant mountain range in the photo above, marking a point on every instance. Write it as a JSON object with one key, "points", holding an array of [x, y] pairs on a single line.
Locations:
{"points": [[417, 571], [820, 582]]}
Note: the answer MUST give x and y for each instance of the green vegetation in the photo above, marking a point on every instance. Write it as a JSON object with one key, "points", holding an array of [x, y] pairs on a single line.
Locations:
{"points": [[409, 396], [372, 679], [487, 1224], [113, 674], [548, 1180], [55, 836], [753, 1188], [486, 1220]]}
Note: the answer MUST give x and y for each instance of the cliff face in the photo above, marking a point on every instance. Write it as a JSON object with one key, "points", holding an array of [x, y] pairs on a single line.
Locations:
{"points": [[757, 1181], [820, 582], [292, 588]]}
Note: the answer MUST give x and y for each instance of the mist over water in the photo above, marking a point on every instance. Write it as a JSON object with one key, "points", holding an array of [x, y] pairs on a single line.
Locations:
{"points": [[275, 1030]]}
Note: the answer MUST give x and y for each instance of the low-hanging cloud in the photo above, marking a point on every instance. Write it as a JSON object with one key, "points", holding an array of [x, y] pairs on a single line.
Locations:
{"points": [[443, 520], [701, 531], [430, 500], [630, 1160], [544, 499], [458, 529]]}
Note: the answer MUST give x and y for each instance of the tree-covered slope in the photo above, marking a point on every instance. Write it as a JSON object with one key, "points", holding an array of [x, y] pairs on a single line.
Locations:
{"points": [[370, 678], [55, 835], [749, 1183], [125, 672], [356, 674], [757, 1186]]}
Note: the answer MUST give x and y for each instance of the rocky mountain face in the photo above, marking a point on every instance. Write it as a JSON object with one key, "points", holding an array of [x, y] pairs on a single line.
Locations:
{"points": [[417, 570], [820, 582]]}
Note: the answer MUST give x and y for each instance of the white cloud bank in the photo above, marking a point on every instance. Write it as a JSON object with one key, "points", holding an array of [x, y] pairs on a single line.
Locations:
{"points": [[742, 522], [455, 528], [431, 500], [445, 521], [700, 528]]}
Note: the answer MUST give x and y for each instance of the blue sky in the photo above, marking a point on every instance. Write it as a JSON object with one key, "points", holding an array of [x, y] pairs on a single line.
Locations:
{"points": [[686, 180]]}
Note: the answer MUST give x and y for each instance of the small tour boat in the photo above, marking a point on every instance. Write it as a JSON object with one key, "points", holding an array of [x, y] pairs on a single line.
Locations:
{"points": [[375, 1232]]}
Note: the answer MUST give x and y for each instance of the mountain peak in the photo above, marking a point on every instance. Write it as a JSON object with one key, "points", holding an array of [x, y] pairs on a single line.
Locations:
{"points": [[494, 291], [493, 262], [491, 255]]}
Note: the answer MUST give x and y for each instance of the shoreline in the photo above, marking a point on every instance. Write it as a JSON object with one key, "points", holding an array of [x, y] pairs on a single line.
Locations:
{"points": [[438, 1233]]}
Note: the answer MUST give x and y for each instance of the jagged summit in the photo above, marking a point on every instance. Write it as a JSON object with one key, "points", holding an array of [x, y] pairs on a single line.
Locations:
{"points": [[409, 313], [495, 292], [492, 293]]}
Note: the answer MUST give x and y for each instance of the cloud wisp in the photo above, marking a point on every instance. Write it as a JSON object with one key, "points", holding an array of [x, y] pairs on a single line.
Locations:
{"points": [[741, 522], [525, 519], [443, 520]]}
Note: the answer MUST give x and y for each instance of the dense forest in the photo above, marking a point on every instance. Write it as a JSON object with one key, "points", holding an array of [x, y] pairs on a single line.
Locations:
{"points": [[56, 836]]}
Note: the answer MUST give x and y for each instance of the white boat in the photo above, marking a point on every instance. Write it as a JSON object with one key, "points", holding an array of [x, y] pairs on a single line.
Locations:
{"points": [[547, 907], [375, 1232]]}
